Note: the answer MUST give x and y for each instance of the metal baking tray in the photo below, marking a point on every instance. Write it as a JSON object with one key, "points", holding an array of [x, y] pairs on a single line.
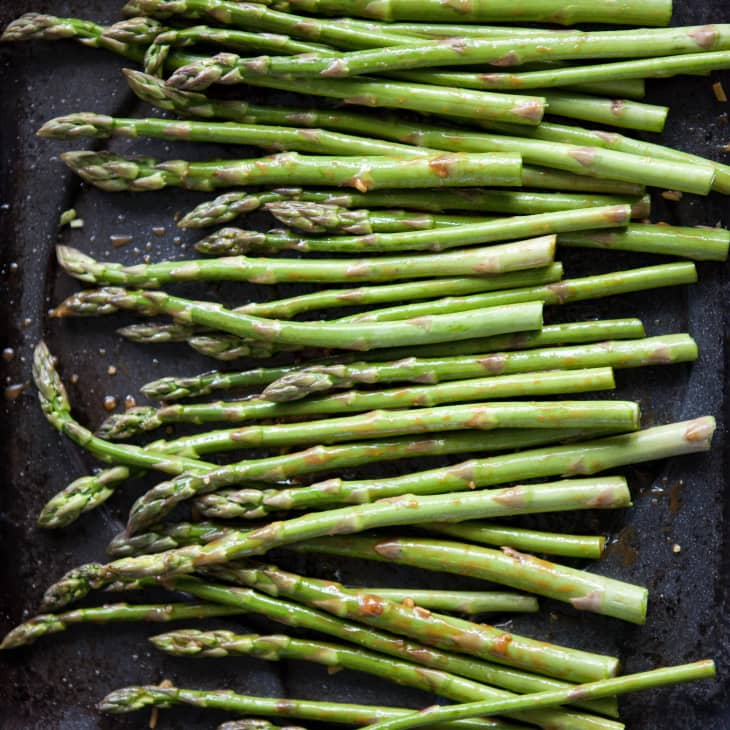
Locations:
{"points": [[54, 684]]}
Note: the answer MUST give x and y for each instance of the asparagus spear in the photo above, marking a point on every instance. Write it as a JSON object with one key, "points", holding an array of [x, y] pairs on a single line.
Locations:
{"points": [[628, 12], [134, 420], [620, 353], [573, 158], [255, 724], [500, 52], [30, 631], [176, 388], [322, 218], [296, 615], [165, 536], [587, 457], [476, 323], [562, 133], [409, 621], [170, 535], [259, 18], [94, 302], [254, 503], [229, 206], [318, 141], [563, 292], [700, 244], [115, 173], [595, 415], [501, 229], [533, 253], [573, 546], [660, 67], [581, 589], [130, 699], [281, 647], [606, 688], [57, 409], [89, 492]]}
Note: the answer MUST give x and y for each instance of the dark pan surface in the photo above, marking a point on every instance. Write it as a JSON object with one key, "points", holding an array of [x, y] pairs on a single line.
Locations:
{"points": [[55, 684]]}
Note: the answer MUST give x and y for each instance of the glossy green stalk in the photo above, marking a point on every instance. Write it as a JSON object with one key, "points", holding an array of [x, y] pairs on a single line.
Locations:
{"points": [[583, 590], [115, 173], [533, 253], [534, 541], [628, 12]]}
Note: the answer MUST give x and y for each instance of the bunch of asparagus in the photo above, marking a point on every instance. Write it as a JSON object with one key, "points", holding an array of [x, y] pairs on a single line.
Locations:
{"points": [[446, 246]]}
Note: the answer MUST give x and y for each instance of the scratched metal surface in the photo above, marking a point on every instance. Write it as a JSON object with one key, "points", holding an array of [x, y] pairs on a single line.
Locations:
{"points": [[55, 684]]}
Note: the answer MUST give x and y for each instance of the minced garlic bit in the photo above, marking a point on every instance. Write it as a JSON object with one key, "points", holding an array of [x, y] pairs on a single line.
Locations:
{"points": [[719, 90], [676, 548], [674, 195]]}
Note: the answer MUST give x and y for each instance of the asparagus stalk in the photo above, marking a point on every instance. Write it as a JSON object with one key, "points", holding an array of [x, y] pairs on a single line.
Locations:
{"points": [[231, 240], [89, 492], [254, 503], [115, 173], [409, 621], [176, 388], [229, 206], [665, 350], [57, 409], [476, 323], [167, 536], [44, 624], [255, 724], [572, 546], [296, 615], [644, 68], [591, 415], [533, 253], [322, 218], [700, 244], [318, 141], [130, 699], [581, 589], [573, 158], [583, 458], [563, 292], [134, 420], [561, 133], [606, 688], [571, 333], [628, 12], [257, 17], [281, 647], [500, 52]]}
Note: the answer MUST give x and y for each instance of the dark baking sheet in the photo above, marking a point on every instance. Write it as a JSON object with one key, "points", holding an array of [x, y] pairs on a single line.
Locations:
{"points": [[55, 683]]}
